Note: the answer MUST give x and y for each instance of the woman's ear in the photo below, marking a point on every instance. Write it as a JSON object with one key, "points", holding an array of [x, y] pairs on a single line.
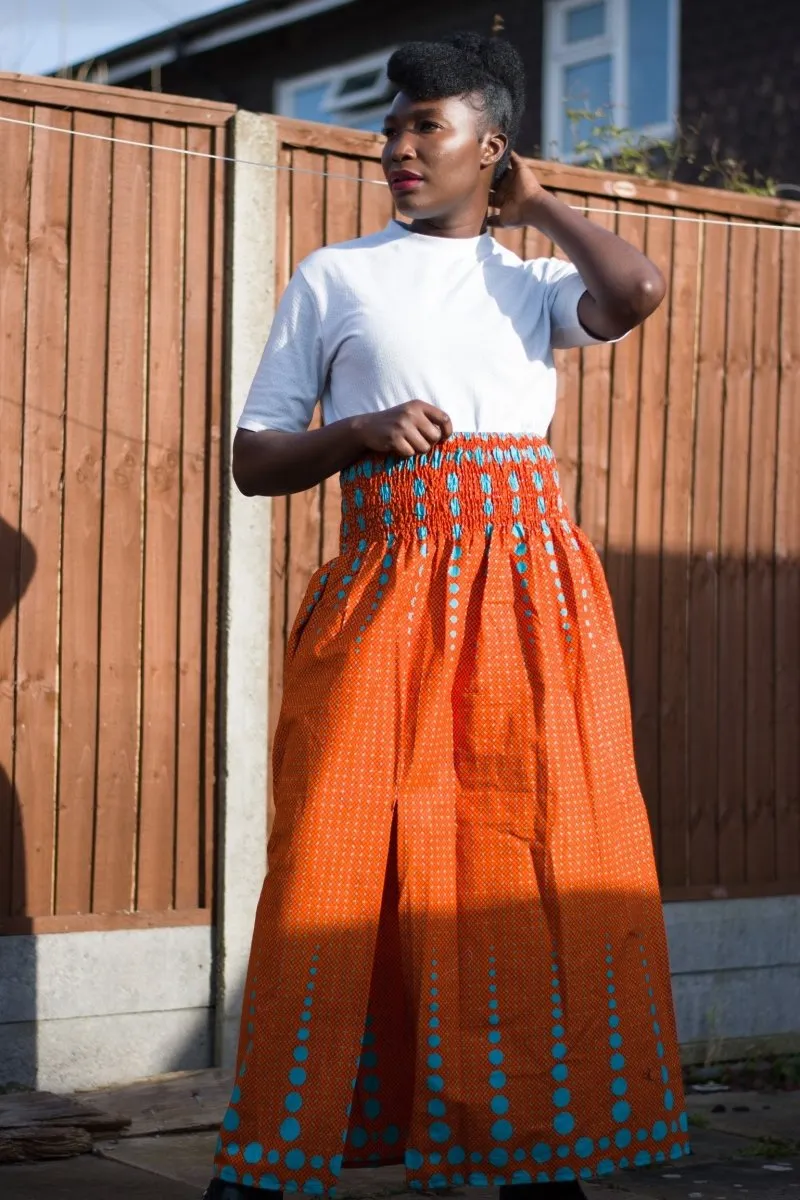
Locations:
{"points": [[494, 147]]}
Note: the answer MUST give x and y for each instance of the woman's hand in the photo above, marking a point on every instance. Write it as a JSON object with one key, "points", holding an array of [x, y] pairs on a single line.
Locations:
{"points": [[516, 197], [408, 429]]}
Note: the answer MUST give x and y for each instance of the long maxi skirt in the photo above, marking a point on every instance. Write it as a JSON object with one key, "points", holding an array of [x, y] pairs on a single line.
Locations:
{"points": [[459, 960]]}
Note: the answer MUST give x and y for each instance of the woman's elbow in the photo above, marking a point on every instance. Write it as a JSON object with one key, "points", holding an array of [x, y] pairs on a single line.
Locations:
{"points": [[243, 468], [650, 291]]}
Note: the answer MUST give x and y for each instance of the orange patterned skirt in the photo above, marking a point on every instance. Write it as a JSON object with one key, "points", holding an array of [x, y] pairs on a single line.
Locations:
{"points": [[459, 960]]}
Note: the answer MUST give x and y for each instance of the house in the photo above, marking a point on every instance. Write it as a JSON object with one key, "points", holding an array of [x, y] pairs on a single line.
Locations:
{"points": [[654, 66]]}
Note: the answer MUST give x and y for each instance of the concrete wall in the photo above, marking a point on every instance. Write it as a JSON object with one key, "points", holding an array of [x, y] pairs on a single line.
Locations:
{"points": [[736, 976], [247, 545], [81, 1010], [113, 1007]]}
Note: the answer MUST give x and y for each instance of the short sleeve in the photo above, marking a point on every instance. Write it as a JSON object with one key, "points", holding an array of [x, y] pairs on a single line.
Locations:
{"points": [[564, 288], [291, 375]]}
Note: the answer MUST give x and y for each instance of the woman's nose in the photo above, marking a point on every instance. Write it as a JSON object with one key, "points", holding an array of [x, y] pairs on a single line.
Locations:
{"points": [[403, 149]]}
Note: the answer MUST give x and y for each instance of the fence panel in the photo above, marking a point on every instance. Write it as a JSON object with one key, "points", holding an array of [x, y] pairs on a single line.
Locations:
{"points": [[678, 455], [110, 407]]}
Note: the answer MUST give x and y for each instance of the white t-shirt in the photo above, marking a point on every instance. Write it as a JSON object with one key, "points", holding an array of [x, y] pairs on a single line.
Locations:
{"points": [[462, 323]]}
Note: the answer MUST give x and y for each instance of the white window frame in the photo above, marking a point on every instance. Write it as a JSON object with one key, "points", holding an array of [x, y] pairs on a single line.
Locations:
{"points": [[558, 54], [336, 76]]}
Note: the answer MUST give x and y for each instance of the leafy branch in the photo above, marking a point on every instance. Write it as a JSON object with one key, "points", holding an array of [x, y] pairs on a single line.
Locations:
{"points": [[607, 146]]}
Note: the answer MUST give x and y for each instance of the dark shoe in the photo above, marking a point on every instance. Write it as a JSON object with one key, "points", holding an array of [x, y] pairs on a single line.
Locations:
{"points": [[219, 1190]]}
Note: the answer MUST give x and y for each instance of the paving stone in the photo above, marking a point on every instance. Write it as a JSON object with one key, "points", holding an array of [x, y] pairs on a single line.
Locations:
{"points": [[87, 1178], [778, 1179], [773, 1116]]}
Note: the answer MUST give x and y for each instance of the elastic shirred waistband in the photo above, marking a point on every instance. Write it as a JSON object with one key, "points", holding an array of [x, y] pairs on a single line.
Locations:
{"points": [[470, 484]]}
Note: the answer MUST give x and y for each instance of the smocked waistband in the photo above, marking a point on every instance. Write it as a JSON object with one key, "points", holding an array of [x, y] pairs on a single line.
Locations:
{"points": [[472, 483]]}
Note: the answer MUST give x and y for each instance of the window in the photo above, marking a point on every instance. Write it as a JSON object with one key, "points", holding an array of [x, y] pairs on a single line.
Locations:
{"points": [[355, 94], [615, 56]]}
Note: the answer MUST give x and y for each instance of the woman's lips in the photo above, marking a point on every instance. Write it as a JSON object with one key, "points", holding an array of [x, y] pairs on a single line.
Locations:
{"points": [[404, 183]]}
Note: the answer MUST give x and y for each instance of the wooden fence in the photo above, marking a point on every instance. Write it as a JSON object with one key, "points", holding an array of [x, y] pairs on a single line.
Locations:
{"points": [[678, 449], [680, 456], [111, 277]]}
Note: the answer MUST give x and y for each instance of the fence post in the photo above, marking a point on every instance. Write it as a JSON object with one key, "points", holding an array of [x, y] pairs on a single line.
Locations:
{"points": [[246, 558]]}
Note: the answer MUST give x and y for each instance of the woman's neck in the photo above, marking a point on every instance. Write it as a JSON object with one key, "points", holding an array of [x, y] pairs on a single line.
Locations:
{"points": [[468, 222]]}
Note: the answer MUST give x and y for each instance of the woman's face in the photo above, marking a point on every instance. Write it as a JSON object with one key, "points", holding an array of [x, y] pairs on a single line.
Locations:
{"points": [[439, 159]]}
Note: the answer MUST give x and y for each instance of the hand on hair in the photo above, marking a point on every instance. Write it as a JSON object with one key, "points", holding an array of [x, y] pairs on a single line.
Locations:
{"points": [[514, 199]]}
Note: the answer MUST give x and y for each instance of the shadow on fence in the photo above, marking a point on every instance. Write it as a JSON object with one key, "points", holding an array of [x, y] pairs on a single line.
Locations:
{"points": [[17, 956]]}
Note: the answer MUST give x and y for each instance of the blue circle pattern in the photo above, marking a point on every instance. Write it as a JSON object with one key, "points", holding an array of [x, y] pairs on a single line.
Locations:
{"points": [[371, 1083], [621, 1110], [356, 564], [438, 1131], [502, 1130], [564, 1121], [290, 1129], [454, 570]]}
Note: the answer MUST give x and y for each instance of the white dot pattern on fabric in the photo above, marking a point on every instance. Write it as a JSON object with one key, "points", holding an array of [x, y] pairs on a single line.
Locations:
{"points": [[456, 793]]}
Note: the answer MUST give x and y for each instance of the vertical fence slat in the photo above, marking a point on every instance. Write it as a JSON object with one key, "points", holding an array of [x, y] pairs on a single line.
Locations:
{"points": [[341, 225], [566, 429], [733, 549], [195, 334], [123, 532], [278, 628], [83, 467], [787, 569], [17, 561], [760, 634], [45, 368], [308, 231], [535, 244], [647, 567], [596, 419], [156, 839], [703, 587], [675, 543], [622, 457], [376, 200], [213, 486]]}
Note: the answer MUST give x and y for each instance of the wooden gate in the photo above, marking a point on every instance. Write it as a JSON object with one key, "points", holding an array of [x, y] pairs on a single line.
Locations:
{"points": [[111, 303], [680, 457]]}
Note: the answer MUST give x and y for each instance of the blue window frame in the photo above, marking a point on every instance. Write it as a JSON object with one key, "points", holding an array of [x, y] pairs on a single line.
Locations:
{"points": [[618, 58]]}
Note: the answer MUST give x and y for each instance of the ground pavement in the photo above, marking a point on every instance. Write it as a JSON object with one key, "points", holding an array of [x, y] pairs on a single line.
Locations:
{"points": [[747, 1146]]}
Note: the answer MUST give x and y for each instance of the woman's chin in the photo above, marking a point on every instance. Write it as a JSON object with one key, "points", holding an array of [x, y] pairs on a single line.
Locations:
{"points": [[409, 204]]}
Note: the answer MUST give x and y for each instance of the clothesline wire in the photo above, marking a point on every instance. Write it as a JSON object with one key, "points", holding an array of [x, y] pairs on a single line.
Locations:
{"points": [[244, 162]]}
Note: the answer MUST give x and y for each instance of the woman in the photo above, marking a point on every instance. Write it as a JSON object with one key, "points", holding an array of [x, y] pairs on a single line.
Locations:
{"points": [[459, 959]]}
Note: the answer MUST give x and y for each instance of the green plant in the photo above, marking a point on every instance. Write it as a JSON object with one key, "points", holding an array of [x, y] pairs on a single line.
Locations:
{"points": [[607, 146], [733, 174], [602, 145], [771, 1148], [715, 1042]]}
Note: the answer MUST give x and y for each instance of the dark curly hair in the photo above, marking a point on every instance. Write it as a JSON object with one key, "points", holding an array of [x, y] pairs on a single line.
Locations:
{"points": [[465, 64]]}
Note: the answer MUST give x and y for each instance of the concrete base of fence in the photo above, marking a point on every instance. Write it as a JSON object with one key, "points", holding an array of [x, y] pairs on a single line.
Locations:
{"points": [[83, 1010], [736, 976]]}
